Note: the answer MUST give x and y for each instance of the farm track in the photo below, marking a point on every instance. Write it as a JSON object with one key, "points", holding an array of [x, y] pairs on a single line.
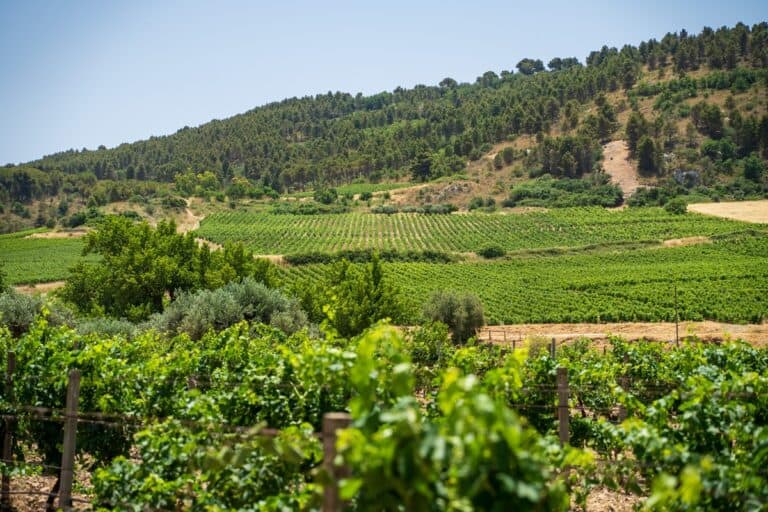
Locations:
{"points": [[756, 334]]}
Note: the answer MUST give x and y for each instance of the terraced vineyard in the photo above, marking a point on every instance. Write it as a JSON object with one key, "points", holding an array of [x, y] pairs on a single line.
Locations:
{"points": [[266, 233], [37, 260], [725, 281]]}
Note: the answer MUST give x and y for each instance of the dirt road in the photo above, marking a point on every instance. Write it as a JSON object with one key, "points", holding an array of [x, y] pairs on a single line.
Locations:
{"points": [[661, 331], [616, 164]]}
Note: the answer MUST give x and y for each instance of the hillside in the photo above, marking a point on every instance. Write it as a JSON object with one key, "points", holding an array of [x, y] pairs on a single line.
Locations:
{"points": [[690, 107]]}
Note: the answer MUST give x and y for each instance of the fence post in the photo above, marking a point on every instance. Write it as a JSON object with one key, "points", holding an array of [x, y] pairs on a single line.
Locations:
{"points": [[553, 348], [333, 421], [563, 411], [70, 438], [490, 335], [5, 497]]}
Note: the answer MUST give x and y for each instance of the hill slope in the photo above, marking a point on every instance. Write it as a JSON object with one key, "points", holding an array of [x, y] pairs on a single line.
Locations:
{"points": [[687, 102]]}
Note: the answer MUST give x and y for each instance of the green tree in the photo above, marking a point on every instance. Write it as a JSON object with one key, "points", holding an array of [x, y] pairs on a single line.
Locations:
{"points": [[359, 296], [647, 155], [421, 169], [530, 66], [753, 168], [140, 266], [463, 314]]}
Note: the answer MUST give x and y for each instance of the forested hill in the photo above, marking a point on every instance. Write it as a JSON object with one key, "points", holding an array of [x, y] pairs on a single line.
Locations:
{"points": [[428, 131]]}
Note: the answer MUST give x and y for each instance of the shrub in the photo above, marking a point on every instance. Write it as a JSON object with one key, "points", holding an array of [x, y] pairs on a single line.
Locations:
{"points": [[197, 313], [492, 251], [463, 314], [18, 311], [676, 206]]}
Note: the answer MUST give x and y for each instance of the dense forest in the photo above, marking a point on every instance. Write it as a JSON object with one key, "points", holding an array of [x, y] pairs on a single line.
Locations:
{"points": [[431, 131]]}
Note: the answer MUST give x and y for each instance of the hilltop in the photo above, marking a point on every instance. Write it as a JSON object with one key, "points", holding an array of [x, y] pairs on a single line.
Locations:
{"points": [[690, 111]]}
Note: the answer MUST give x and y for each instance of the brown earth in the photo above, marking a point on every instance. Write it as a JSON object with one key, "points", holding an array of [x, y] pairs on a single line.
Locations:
{"points": [[617, 164], [757, 334], [691, 240], [75, 233], [747, 211], [41, 288]]}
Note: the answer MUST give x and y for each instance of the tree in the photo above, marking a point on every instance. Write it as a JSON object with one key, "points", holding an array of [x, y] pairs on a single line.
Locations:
{"points": [[140, 266], [463, 314], [530, 66], [647, 155], [421, 168], [360, 295], [637, 126], [448, 83], [753, 168]]}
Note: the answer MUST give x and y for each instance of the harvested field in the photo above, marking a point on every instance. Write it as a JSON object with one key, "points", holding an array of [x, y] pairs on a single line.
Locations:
{"points": [[747, 211]]}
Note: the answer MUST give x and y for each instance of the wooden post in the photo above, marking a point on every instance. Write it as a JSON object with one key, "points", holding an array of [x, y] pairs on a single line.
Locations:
{"points": [[490, 335], [5, 494], [505, 336], [563, 411], [553, 349], [70, 438], [332, 422], [513, 344]]}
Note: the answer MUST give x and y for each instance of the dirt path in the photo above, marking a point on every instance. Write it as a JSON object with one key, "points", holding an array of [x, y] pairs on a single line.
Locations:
{"points": [[75, 233], [661, 331], [43, 288], [747, 211], [189, 221], [616, 163]]}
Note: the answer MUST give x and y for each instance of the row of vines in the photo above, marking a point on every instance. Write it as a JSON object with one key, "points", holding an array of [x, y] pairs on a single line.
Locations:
{"points": [[435, 426], [726, 280], [265, 233]]}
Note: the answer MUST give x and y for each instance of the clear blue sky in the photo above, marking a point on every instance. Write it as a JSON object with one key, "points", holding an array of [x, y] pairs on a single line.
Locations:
{"points": [[80, 74]]}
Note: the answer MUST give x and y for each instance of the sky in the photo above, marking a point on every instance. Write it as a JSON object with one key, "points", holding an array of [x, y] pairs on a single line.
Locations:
{"points": [[82, 74]]}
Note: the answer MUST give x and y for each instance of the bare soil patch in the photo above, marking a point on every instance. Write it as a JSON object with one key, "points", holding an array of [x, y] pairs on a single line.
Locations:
{"points": [[691, 240], [747, 211], [603, 499], [39, 288], [74, 233], [757, 334], [617, 164]]}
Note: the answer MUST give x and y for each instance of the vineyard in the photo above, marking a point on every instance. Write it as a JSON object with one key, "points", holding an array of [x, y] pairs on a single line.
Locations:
{"points": [[569, 227], [170, 424], [37, 260], [726, 280]]}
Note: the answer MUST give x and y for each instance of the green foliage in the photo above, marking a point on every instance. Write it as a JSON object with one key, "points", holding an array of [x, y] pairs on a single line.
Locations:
{"points": [[568, 156], [37, 260], [358, 296], [462, 313], [676, 206], [648, 155], [326, 195], [567, 227], [492, 251], [18, 311], [196, 313], [627, 281], [565, 192], [140, 265]]}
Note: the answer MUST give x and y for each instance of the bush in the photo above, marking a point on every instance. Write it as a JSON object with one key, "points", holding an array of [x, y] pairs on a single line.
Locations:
{"points": [[492, 251], [463, 314], [676, 206], [326, 195], [18, 311], [197, 313]]}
